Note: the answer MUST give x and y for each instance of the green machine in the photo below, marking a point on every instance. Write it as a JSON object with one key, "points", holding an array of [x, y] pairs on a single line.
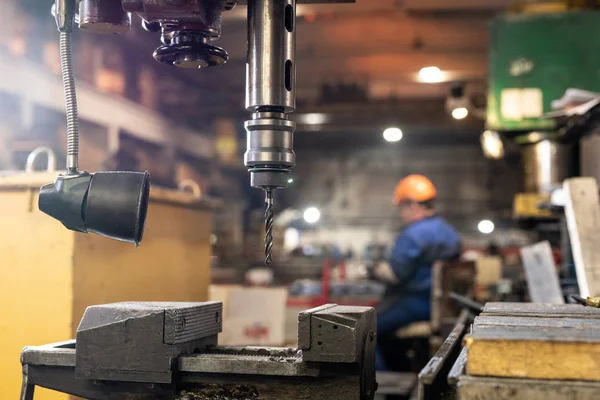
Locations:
{"points": [[534, 59]]}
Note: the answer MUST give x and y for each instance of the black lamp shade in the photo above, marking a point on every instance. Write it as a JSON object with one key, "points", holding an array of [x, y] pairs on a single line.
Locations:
{"points": [[111, 204]]}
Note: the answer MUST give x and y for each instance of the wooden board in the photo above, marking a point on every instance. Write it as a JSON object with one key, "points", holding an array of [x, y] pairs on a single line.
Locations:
{"points": [[542, 278], [558, 348], [482, 388], [540, 310], [489, 270], [537, 322], [582, 211]]}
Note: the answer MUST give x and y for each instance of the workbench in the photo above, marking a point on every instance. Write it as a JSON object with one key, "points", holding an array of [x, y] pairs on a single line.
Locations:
{"points": [[49, 275], [532, 351]]}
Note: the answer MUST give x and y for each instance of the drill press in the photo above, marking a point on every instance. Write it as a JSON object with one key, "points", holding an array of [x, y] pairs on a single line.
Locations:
{"points": [[188, 28]]}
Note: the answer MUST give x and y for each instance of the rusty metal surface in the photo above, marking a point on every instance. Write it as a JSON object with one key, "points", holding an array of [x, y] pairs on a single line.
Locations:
{"points": [[214, 391], [333, 387], [129, 360], [103, 17], [59, 354], [459, 367], [249, 361]]}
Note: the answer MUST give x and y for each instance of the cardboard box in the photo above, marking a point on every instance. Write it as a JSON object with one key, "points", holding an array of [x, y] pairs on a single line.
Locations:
{"points": [[251, 316], [489, 270]]}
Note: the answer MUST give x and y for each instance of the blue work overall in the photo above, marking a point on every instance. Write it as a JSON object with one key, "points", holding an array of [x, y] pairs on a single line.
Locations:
{"points": [[417, 247]]}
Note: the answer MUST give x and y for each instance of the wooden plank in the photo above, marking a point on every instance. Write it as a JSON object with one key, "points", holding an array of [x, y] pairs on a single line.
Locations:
{"points": [[582, 211], [542, 278], [540, 310], [535, 335], [543, 352], [537, 322], [483, 388]]}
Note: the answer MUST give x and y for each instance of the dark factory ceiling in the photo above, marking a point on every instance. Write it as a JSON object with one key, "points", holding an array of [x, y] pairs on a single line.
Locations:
{"points": [[358, 64], [357, 67]]}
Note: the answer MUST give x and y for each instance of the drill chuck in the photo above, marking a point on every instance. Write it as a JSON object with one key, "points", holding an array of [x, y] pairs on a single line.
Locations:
{"points": [[270, 149]]}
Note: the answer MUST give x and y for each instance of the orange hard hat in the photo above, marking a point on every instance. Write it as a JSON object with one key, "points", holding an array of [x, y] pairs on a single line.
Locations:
{"points": [[414, 187]]}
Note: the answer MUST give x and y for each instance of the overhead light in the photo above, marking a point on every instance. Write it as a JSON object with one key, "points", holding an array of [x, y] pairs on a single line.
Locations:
{"points": [[290, 180], [486, 226], [430, 74], [460, 113], [457, 102], [392, 134], [291, 239], [313, 118], [312, 215], [492, 145]]}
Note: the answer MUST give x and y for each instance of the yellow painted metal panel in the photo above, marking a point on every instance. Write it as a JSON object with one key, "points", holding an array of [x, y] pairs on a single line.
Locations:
{"points": [[171, 264], [49, 275], [35, 285], [526, 205]]}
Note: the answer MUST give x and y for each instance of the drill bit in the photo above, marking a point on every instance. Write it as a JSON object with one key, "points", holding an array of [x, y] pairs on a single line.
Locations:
{"points": [[268, 226]]}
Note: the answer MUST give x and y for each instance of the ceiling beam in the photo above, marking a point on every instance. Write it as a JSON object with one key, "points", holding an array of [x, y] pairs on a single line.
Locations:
{"points": [[376, 34], [455, 5], [239, 13], [370, 6]]}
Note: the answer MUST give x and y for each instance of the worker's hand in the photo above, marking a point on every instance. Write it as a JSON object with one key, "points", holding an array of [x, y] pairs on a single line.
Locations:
{"points": [[382, 272]]}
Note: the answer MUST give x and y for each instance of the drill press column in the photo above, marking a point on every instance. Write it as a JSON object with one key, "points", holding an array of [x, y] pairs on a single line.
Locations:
{"points": [[270, 95]]}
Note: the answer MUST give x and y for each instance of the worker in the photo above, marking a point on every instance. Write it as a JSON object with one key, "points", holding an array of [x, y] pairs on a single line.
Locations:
{"points": [[426, 238]]}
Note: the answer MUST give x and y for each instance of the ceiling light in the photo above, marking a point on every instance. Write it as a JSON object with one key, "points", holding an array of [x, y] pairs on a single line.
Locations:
{"points": [[460, 113], [392, 134], [486, 226], [312, 215], [313, 118], [290, 180], [430, 74]]}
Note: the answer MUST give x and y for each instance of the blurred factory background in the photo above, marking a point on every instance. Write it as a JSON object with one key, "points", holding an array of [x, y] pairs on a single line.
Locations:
{"points": [[181, 124], [462, 92]]}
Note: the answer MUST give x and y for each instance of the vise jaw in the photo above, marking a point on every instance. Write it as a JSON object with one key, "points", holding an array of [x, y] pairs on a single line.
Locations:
{"points": [[140, 341], [169, 351]]}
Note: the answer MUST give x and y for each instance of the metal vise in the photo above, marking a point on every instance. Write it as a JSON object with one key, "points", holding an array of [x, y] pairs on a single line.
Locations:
{"points": [[169, 351]]}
